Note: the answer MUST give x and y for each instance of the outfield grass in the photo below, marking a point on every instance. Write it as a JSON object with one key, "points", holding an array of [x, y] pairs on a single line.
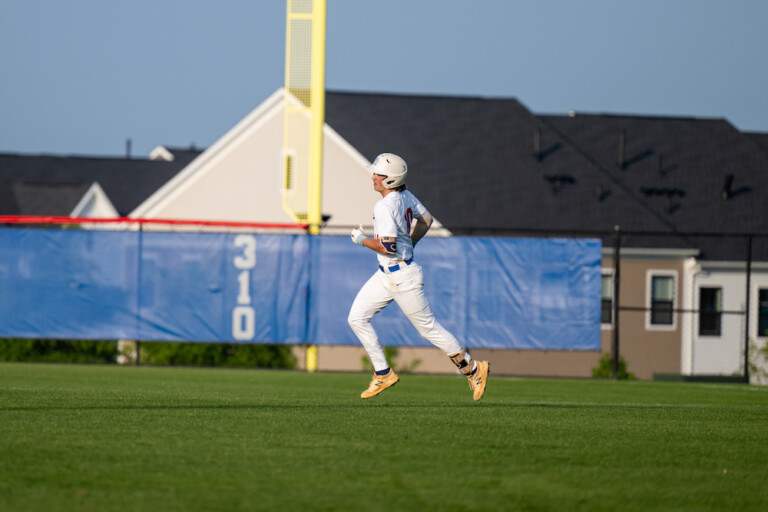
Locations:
{"points": [[107, 438]]}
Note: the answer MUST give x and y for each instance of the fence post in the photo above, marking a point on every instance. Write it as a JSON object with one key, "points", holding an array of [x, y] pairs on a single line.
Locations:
{"points": [[747, 307], [140, 269], [615, 308]]}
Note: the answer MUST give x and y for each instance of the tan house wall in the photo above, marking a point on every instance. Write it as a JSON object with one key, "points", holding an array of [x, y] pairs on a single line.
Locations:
{"points": [[646, 352]]}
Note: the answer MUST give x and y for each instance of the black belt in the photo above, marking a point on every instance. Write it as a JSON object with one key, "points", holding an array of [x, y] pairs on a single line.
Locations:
{"points": [[395, 268]]}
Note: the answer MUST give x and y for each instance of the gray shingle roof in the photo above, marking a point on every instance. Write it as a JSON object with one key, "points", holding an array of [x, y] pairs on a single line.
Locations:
{"points": [[473, 162], [52, 185], [761, 139], [57, 199], [677, 169], [487, 165]]}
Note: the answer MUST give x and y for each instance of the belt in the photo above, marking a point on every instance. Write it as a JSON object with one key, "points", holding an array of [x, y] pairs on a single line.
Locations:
{"points": [[395, 268]]}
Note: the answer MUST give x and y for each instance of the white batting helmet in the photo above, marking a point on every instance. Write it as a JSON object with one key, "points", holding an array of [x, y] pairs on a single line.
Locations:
{"points": [[391, 166]]}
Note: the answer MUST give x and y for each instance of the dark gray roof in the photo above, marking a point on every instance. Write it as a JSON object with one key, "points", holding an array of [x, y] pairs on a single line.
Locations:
{"points": [[58, 199], [490, 165], [52, 185], [691, 175], [761, 139], [472, 160]]}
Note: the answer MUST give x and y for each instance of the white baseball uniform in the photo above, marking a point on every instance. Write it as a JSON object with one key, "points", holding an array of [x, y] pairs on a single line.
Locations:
{"points": [[398, 278]]}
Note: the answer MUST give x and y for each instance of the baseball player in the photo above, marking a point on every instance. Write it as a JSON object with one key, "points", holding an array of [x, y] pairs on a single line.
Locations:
{"points": [[399, 222]]}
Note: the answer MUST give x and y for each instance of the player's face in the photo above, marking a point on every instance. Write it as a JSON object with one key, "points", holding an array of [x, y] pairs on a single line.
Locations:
{"points": [[378, 186]]}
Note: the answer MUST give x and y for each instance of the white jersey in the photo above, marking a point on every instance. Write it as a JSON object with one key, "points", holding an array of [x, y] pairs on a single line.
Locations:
{"points": [[393, 217]]}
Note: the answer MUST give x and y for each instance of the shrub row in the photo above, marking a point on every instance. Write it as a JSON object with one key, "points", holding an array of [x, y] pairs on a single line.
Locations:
{"points": [[187, 354]]}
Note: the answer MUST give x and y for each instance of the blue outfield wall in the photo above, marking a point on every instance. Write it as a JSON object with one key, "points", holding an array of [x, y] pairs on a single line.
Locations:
{"points": [[216, 287]]}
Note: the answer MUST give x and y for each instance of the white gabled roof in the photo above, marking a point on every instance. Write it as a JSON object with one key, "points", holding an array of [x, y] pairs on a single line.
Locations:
{"points": [[94, 203], [161, 153]]}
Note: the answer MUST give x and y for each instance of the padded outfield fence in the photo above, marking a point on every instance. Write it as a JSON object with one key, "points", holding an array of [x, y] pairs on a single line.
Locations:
{"points": [[539, 303]]}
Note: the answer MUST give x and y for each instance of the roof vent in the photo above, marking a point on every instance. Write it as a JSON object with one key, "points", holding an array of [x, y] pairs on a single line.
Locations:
{"points": [[602, 193], [538, 152], [668, 193], [663, 171], [558, 181], [621, 158], [663, 191], [728, 186], [729, 192]]}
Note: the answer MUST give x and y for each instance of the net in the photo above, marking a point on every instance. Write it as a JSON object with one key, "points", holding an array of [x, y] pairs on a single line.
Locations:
{"points": [[304, 111]]}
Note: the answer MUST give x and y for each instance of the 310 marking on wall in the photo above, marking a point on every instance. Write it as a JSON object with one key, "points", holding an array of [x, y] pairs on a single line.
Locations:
{"points": [[243, 315]]}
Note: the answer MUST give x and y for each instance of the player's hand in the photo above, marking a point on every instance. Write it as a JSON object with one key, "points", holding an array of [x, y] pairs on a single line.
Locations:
{"points": [[357, 235]]}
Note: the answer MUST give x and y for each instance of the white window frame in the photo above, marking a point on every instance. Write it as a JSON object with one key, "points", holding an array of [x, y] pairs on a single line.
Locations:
{"points": [[650, 274], [603, 273]]}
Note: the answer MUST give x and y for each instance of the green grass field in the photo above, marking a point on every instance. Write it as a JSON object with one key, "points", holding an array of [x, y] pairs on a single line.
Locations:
{"points": [[104, 438]]}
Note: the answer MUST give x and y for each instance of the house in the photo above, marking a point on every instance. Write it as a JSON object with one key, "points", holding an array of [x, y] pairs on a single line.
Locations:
{"points": [[695, 176], [489, 166]]}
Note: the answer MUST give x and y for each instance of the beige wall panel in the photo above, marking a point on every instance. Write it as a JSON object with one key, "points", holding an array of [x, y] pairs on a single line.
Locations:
{"points": [[646, 351]]}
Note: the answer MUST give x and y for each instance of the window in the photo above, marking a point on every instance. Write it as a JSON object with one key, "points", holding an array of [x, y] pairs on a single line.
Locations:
{"points": [[662, 299], [288, 172], [762, 312], [710, 311], [606, 300]]}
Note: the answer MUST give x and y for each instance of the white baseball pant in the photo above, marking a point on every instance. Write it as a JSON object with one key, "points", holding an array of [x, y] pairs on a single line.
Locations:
{"points": [[406, 287]]}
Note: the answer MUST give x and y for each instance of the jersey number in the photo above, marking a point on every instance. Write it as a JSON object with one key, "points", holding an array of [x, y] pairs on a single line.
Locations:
{"points": [[408, 219]]}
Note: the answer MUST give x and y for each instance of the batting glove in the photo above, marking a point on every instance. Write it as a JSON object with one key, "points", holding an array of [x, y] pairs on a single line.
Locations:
{"points": [[357, 235]]}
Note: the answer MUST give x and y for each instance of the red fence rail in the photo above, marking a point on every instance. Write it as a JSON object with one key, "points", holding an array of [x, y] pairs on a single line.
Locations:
{"points": [[50, 219]]}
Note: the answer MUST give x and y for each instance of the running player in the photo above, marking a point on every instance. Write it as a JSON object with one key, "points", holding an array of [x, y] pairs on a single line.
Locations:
{"points": [[399, 222]]}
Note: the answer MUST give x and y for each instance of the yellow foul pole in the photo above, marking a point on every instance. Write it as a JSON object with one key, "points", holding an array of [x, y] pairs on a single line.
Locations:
{"points": [[304, 119], [317, 99], [304, 112]]}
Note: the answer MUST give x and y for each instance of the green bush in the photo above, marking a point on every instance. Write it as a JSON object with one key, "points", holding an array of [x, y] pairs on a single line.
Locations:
{"points": [[603, 370], [218, 354], [60, 351], [757, 368]]}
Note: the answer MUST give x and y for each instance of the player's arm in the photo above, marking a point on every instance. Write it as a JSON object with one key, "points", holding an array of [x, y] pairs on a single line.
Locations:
{"points": [[420, 227], [384, 245]]}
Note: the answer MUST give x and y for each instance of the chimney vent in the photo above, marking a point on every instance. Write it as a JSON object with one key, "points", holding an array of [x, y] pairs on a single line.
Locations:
{"points": [[621, 161], [728, 186]]}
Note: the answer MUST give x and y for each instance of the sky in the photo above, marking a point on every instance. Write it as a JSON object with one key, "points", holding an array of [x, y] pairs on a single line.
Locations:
{"points": [[80, 77]]}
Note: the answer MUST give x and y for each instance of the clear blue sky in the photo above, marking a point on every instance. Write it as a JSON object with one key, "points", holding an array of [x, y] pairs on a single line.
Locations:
{"points": [[82, 76]]}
